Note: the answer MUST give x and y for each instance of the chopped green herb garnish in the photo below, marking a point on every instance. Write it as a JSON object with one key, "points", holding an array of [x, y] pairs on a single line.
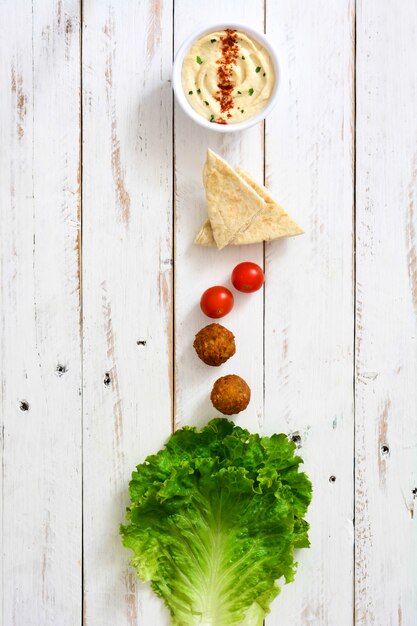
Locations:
{"points": [[199, 61], [239, 92], [206, 103], [211, 117], [264, 74], [258, 69], [190, 93], [243, 58], [198, 90], [242, 110], [213, 40], [250, 92]]}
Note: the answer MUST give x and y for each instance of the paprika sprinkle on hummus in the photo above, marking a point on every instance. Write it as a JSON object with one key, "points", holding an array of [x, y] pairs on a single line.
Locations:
{"points": [[229, 50], [227, 77]]}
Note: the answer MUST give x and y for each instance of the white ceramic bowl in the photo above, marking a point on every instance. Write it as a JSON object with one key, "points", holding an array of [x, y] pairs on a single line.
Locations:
{"points": [[179, 92]]}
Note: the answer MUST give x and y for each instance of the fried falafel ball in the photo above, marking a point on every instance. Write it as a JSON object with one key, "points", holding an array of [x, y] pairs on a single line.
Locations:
{"points": [[214, 344], [230, 394]]}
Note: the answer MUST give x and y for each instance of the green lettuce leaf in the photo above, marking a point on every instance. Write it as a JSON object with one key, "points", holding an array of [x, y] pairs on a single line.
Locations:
{"points": [[214, 519]]}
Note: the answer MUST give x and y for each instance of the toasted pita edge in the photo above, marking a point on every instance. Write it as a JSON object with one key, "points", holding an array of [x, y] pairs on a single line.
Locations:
{"points": [[232, 204], [292, 226], [205, 235]]}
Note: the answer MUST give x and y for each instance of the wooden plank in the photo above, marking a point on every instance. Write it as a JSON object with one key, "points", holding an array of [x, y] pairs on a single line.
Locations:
{"points": [[127, 276], [198, 268], [309, 293], [40, 205], [386, 309]]}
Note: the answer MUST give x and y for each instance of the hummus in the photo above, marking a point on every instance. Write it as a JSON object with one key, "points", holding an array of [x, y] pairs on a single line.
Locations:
{"points": [[227, 77]]}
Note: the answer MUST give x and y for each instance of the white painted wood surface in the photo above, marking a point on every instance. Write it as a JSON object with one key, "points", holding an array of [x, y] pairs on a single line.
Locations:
{"points": [[386, 315], [127, 278], [40, 281], [134, 198], [309, 293]]}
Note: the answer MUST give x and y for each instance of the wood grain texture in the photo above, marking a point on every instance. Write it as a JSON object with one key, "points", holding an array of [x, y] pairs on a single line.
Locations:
{"points": [[309, 293], [386, 310], [197, 268], [40, 346], [88, 342], [127, 284]]}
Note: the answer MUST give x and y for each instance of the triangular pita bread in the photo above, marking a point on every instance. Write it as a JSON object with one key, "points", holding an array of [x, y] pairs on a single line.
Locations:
{"points": [[232, 204], [271, 223]]}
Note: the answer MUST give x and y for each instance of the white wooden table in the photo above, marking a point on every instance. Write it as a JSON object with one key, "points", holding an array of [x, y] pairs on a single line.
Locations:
{"points": [[101, 196]]}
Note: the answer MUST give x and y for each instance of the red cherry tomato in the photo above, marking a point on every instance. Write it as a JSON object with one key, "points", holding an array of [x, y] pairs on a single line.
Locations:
{"points": [[216, 302], [247, 277]]}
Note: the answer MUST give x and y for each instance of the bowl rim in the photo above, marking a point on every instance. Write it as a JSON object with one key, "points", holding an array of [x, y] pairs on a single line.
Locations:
{"points": [[177, 83]]}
